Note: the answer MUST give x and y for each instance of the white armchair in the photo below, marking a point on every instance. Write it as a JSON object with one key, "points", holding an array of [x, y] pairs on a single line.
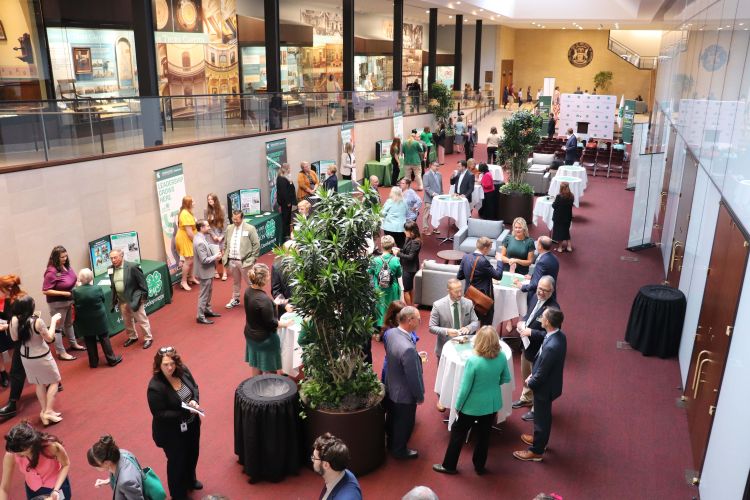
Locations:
{"points": [[538, 175], [466, 239]]}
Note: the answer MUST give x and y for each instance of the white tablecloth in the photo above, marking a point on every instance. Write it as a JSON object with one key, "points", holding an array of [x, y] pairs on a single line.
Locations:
{"points": [[497, 172], [543, 210], [574, 171], [291, 352], [448, 381], [476, 197], [445, 206], [576, 187], [510, 302]]}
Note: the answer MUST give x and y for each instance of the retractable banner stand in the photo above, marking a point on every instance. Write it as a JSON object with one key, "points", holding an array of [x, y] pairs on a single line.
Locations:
{"points": [[347, 134], [398, 125], [628, 116], [275, 157], [170, 188]]}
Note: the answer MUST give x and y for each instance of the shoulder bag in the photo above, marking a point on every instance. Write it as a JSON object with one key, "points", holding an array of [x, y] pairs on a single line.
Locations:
{"points": [[482, 303], [152, 487]]}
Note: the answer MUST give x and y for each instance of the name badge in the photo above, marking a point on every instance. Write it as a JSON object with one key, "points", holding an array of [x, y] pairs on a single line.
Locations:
{"points": [[110, 271], [245, 233], [183, 426]]}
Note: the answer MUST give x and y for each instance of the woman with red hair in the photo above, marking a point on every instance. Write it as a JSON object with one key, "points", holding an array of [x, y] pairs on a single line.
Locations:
{"points": [[10, 289]]}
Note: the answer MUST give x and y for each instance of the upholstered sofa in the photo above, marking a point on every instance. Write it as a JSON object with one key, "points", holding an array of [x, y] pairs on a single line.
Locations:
{"points": [[431, 282], [538, 175], [466, 239]]}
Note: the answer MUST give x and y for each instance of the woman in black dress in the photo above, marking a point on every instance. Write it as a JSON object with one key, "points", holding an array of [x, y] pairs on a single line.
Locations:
{"points": [[562, 217], [286, 197], [409, 257], [395, 158]]}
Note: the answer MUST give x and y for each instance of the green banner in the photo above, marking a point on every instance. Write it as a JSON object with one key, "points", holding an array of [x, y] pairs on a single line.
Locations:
{"points": [[268, 226], [545, 105], [170, 188], [628, 116], [275, 157]]}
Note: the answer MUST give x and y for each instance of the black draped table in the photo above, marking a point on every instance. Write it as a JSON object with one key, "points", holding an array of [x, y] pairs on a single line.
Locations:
{"points": [[267, 429], [655, 324]]}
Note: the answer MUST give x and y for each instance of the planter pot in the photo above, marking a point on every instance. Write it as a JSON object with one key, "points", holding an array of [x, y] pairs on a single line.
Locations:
{"points": [[449, 144], [363, 431], [515, 205]]}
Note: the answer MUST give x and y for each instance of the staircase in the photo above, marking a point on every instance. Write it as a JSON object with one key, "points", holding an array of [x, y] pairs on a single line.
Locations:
{"points": [[630, 56]]}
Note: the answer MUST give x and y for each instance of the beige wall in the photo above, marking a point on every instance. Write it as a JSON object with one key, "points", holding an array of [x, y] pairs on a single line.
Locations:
{"points": [[15, 19], [73, 204], [544, 53]]}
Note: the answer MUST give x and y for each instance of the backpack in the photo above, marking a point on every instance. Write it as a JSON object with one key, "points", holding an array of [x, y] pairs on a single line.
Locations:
{"points": [[385, 278]]}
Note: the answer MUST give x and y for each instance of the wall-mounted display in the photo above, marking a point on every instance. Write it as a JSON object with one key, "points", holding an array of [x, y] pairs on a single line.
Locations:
{"points": [[82, 60], [378, 69]]}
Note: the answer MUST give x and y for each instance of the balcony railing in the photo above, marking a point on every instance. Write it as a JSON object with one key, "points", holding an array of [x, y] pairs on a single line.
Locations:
{"points": [[629, 55]]}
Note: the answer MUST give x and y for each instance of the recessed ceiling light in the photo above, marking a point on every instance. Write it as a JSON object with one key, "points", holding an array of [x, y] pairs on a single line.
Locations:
{"points": [[450, 17], [729, 26], [427, 11], [458, 3], [493, 18], [741, 24], [719, 28], [580, 28], [563, 27]]}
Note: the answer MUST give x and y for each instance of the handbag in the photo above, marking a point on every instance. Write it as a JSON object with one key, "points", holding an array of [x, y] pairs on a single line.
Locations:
{"points": [[152, 487], [482, 303]]}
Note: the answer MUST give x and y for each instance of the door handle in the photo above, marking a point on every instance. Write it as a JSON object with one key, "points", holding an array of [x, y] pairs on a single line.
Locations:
{"points": [[675, 245], [698, 361], [697, 382]]}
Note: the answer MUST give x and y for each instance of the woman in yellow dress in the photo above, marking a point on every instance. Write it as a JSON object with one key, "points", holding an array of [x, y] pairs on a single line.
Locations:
{"points": [[184, 241]]}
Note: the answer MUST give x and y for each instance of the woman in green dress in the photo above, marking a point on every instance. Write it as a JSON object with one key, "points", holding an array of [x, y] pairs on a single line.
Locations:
{"points": [[517, 253], [385, 270]]}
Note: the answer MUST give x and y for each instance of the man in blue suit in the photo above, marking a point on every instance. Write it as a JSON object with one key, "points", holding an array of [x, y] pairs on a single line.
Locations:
{"points": [[571, 148], [546, 380], [404, 387], [546, 265]]}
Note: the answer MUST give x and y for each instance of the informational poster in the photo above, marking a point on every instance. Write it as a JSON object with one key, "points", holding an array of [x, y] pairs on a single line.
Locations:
{"points": [[99, 254], [384, 149], [398, 125], [321, 168], [128, 243], [628, 115], [545, 105], [250, 201], [275, 157], [170, 188]]}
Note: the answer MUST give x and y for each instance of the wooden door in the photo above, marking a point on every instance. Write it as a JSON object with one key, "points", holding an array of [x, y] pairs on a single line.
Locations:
{"points": [[656, 232], [714, 334], [506, 75], [685, 205]]}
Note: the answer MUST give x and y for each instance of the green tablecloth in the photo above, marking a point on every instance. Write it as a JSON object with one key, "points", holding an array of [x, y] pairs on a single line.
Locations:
{"points": [[269, 230], [159, 292], [345, 186], [379, 169]]}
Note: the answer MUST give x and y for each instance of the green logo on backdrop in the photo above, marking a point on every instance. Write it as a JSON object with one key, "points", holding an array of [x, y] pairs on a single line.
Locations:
{"points": [[271, 229], [153, 281]]}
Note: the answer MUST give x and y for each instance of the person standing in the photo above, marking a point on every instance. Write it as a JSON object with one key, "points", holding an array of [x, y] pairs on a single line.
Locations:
{"points": [[333, 89], [394, 216], [478, 272], [91, 319], [10, 290], [241, 249], [129, 293], [439, 140], [478, 400], [413, 151], [409, 258], [546, 380], [551, 126], [493, 142], [472, 137], [562, 217], [184, 241], [330, 457], [286, 198], [460, 137], [571, 148], [426, 138], [488, 210], [307, 181], [505, 97], [59, 280], [214, 214], [413, 202], [546, 264], [348, 161], [433, 186], [395, 160], [404, 385], [206, 257], [175, 429], [385, 270], [463, 180]]}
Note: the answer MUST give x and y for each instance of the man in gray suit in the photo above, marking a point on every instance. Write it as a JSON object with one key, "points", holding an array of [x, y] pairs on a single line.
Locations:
{"points": [[452, 315], [433, 186], [404, 384], [205, 268]]}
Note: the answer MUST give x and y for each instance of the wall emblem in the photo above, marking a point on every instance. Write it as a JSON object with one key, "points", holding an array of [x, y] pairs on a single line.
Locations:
{"points": [[580, 54], [714, 57]]}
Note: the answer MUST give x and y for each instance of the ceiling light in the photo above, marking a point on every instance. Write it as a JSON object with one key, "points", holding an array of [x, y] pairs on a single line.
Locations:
{"points": [[427, 12], [719, 28], [564, 27], [450, 17], [580, 28], [458, 3], [741, 24], [728, 26], [473, 13], [543, 26]]}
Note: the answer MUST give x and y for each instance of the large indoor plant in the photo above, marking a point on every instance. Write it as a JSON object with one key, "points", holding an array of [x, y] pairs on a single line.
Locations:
{"points": [[441, 106], [602, 81], [333, 292], [521, 133]]}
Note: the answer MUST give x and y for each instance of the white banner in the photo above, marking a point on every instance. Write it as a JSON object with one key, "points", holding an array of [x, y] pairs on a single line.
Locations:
{"points": [[170, 188]]}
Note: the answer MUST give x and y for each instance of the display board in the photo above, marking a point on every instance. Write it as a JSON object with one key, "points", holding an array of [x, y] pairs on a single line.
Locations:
{"points": [[99, 255], [628, 117], [383, 149], [170, 189], [245, 200], [598, 111], [398, 124], [275, 157], [545, 105], [128, 243]]}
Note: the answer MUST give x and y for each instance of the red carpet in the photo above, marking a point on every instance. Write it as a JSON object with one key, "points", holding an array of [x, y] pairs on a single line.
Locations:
{"points": [[617, 433]]}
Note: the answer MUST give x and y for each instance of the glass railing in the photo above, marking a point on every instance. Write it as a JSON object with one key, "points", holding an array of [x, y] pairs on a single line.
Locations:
{"points": [[34, 132], [629, 55]]}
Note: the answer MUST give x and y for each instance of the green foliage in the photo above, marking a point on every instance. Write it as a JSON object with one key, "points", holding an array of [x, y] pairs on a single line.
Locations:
{"points": [[334, 293], [512, 187], [520, 134], [441, 102], [603, 80]]}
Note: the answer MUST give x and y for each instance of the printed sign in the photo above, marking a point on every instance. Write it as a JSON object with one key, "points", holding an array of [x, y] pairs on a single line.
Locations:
{"points": [[99, 254], [128, 243], [628, 115], [170, 188], [398, 125]]}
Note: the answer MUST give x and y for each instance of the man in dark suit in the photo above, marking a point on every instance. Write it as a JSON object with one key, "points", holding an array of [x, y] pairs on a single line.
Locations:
{"points": [[532, 335], [404, 384], [481, 277], [463, 180], [546, 265], [546, 380], [571, 148], [129, 292]]}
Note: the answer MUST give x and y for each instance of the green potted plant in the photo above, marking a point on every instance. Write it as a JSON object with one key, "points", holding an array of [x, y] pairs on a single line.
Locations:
{"points": [[441, 106], [333, 293], [602, 81], [520, 134]]}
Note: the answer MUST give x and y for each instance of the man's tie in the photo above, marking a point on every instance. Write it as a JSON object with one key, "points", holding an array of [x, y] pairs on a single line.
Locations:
{"points": [[456, 317]]}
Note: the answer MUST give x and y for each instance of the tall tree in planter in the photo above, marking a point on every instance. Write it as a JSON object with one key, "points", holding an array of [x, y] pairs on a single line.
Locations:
{"points": [[441, 106]]}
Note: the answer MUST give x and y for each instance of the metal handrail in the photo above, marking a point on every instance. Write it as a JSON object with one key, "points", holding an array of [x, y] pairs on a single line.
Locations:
{"points": [[628, 55]]}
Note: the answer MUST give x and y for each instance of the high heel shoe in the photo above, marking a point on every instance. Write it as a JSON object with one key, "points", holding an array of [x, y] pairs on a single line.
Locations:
{"points": [[185, 286]]}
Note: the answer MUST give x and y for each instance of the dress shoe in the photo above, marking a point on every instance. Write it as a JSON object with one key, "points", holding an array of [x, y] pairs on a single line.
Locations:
{"points": [[129, 342], [211, 314], [204, 321], [481, 472], [528, 416], [439, 468], [9, 410], [115, 361], [197, 485], [528, 439], [527, 456], [147, 343], [408, 454], [521, 403]]}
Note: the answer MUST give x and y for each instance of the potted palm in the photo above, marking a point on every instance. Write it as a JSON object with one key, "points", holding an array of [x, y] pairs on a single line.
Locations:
{"points": [[441, 106], [333, 292], [521, 133]]}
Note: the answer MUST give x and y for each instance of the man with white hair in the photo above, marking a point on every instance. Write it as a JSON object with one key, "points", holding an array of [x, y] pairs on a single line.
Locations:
{"points": [[374, 181], [129, 292], [91, 319], [420, 493]]}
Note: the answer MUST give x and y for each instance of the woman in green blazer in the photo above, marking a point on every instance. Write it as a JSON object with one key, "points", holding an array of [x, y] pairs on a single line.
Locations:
{"points": [[91, 319], [478, 400]]}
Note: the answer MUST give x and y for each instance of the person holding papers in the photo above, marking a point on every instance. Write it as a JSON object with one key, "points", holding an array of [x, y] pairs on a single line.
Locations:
{"points": [[206, 255], [173, 399]]}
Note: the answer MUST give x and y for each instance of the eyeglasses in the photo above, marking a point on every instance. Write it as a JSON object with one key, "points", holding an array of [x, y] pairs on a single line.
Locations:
{"points": [[165, 350]]}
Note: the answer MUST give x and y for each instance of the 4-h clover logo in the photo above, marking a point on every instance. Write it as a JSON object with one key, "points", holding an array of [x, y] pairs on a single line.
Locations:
{"points": [[271, 229], [153, 281]]}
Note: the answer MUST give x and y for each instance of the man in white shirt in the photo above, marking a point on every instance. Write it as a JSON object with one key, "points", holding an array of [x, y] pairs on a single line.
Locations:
{"points": [[241, 249]]}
